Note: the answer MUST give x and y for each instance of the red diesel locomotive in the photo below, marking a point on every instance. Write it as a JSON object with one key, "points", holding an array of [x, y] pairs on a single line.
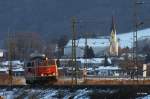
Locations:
{"points": [[40, 68]]}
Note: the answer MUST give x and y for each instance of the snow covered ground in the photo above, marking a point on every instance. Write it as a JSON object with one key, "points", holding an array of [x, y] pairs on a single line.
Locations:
{"points": [[45, 94], [144, 97], [6, 94], [5, 69], [14, 63], [51, 93]]}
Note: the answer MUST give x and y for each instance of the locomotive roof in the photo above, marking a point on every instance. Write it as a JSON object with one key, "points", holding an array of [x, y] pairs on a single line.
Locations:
{"points": [[33, 55]]}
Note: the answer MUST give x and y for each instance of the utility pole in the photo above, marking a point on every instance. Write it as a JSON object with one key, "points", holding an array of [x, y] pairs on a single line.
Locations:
{"points": [[135, 37], [10, 59], [135, 43], [74, 63], [85, 64]]}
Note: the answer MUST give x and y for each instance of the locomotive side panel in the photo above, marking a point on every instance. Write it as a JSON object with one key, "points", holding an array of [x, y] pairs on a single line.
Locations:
{"points": [[41, 70]]}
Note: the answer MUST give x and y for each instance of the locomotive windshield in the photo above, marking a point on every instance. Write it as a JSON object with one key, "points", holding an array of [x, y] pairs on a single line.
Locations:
{"points": [[51, 62], [40, 60]]}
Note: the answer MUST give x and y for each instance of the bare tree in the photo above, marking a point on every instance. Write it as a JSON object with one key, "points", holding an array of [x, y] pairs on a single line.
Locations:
{"points": [[62, 41], [22, 44]]}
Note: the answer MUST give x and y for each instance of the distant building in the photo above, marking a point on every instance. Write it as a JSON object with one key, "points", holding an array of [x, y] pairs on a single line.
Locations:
{"points": [[106, 71], [100, 47], [3, 54], [93, 62], [15, 71]]}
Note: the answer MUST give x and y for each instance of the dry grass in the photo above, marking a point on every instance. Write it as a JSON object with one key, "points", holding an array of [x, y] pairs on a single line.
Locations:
{"points": [[105, 82], [6, 80]]}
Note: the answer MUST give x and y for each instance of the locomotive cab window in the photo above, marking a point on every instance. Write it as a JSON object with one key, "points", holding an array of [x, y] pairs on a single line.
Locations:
{"points": [[51, 62], [29, 64]]}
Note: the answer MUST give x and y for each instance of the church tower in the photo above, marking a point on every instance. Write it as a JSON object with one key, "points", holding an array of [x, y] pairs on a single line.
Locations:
{"points": [[113, 50]]}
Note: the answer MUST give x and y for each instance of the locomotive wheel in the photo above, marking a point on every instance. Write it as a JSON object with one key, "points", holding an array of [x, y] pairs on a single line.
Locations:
{"points": [[53, 79], [28, 82]]}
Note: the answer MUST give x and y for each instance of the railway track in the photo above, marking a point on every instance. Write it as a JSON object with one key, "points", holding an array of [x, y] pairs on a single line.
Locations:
{"points": [[23, 87], [89, 83]]}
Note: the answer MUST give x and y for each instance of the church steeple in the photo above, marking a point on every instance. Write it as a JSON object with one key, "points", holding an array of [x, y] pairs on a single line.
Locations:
{"points": [[113, 40]]}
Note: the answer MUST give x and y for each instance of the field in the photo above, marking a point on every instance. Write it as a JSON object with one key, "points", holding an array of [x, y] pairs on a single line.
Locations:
{"points": [[6, 80]]}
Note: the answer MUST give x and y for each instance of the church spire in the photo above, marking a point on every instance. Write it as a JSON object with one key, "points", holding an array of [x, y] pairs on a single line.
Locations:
{"points": [[113, 39]]}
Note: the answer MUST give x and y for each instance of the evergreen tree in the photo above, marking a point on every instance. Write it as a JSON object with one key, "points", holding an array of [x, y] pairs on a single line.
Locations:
{"points": [[62, 41], [106, 63], [88, 52], [91, 53], [147, 58], [58, 62], [146, 49]]}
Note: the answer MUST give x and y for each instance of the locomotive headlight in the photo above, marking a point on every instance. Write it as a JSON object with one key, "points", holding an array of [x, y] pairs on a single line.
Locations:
{"points": [[53, 73], [42, 74]]}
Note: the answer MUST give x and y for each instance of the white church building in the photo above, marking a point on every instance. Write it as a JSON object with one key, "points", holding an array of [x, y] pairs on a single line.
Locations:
{"points": [[100, 46]]}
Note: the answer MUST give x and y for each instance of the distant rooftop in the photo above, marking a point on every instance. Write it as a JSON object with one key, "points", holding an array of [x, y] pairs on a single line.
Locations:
{"points": [[90, 42], [125, 39]]}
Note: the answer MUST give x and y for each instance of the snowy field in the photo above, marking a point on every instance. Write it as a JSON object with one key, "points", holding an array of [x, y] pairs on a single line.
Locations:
{"points": [[51, 93], [45, 94], [144, 97], [126, 39]]}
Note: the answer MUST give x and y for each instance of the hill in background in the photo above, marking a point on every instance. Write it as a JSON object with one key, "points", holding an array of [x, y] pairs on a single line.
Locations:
{"points": [[49, 17]]}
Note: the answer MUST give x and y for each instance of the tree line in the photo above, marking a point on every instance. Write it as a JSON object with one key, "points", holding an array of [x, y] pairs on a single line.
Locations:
{"points": [[21, 45]]}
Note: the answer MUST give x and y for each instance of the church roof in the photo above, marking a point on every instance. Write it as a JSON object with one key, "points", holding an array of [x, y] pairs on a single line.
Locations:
{"points": [[92, 42]]}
